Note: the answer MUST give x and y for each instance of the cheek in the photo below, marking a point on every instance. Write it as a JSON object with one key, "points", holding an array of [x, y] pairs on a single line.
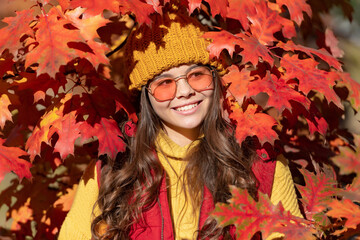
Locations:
{"points": [[159, 107]]}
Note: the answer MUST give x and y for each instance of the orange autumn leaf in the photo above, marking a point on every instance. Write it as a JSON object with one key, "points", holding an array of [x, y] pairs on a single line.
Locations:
{"points": [[10, 161], [22, 215], [345, 209], [5, 114]]}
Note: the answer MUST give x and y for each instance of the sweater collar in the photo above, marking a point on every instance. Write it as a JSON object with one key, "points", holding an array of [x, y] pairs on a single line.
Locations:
{"points": [[170, 149]]}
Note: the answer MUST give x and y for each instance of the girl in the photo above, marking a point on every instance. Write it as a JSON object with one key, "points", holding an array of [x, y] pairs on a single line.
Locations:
{"points": [[183, 156]]}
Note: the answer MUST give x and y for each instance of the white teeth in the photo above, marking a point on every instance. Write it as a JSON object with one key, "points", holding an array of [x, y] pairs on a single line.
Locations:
{"points": [[187, 107]]}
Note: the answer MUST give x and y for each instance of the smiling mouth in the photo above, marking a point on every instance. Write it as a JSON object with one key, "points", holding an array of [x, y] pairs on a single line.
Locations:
{"points": [[187, 107]]}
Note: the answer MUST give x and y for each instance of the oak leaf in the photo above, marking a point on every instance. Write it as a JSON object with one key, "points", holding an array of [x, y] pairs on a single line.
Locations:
{"points": [[317, 125], [259, 124], [52, 50], [352, 191], [354, 89], [254, 51], [94, 7], [278, 91], [218, 7], [310, 78], [41, 133], [140, 9], [318, 192], [238, 82], [240, 10], [68, 131], [321, 53], [265, 23], [345, 209], [221, 40], [87, 26], [17, 26], [10, 161], [108, 133], [296, 9], [348, 159], [194, 4], [250, 217], [332, 43]]}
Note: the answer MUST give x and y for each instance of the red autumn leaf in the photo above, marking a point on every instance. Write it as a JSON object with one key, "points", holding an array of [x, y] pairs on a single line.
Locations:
{"points": [[68, 131], [250, 217], [140, 9], [265, 23], [87, 26], [253, 51], [352, 191], [5, 114], [354, 90], [310, 78], [108, 134], [218, 7], [348, 159], [98, 54], [321, 53], [41, 83], [43, 132], [258, 124], [88, 30], [345, 209], [194, 4], [10, 161], [221, 40], [94, 7], [240, 10], [17, 26], [278, 91], [238, 81], [52, 50], [318, 192], [296, 9], [317, 125], [332, 43]]}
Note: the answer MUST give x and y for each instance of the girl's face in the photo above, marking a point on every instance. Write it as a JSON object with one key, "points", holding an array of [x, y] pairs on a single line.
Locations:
{"points": [[187, 110]]}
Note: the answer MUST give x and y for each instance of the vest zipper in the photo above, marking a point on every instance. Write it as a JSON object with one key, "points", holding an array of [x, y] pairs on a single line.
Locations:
{"points": [[162, 220]]}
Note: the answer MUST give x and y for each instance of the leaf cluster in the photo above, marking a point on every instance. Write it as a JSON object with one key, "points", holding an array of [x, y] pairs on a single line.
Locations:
{"points": [[62, 97]]}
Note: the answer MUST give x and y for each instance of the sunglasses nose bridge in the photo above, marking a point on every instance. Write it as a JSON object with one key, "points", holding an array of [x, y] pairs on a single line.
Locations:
{"points": [[178, 78]]}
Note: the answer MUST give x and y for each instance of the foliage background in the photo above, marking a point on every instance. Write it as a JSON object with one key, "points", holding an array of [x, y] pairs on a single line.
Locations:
{"points": [[35, 209]]}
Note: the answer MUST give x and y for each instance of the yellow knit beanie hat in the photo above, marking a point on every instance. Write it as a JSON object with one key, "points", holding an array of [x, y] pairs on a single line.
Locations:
{"points": [[173, 39]]}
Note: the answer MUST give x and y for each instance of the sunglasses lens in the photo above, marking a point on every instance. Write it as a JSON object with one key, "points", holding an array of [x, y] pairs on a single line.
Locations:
{"points": [[163, 89], [199, 78]]}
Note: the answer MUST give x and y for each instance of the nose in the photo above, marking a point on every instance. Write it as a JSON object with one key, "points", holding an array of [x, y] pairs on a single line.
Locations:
{"points": [[183, 89]]}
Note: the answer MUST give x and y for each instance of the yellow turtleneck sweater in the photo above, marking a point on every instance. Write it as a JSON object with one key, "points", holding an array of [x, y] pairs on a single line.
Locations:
{"points": [[77, 225], [185, 219]]}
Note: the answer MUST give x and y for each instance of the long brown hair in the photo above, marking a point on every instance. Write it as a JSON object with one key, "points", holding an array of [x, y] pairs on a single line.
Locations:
{"points": [[130, 185]]}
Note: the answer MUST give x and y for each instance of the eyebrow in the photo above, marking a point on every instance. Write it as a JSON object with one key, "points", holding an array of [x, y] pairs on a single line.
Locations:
{"points": [[167, 75]]}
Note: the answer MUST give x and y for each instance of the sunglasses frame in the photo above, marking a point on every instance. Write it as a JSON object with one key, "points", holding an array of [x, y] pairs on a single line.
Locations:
{"points": [[184, 76]]}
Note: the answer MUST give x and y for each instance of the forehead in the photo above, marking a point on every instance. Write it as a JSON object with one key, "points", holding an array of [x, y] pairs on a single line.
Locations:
{"points": [[179, 70]]}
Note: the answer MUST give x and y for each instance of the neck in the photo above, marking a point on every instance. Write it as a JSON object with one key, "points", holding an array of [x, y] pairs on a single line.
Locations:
{"points": [[181, 136]]}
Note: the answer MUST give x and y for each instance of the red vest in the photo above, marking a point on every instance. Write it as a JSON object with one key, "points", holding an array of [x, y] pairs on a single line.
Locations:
{"points": [[157, 222]]}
